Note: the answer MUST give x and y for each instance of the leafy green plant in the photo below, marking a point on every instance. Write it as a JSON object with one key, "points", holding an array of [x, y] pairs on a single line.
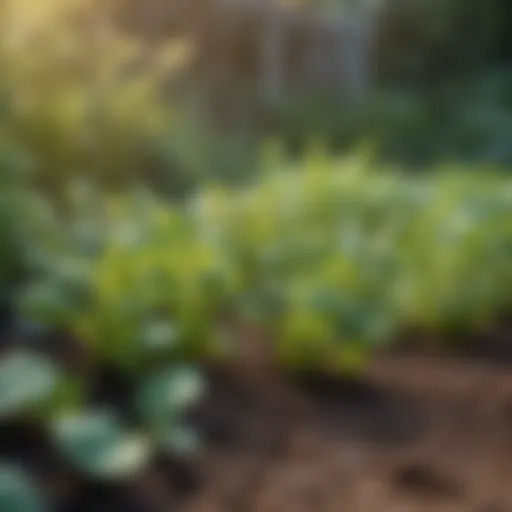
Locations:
{"points": [[332, 258], [162, 400], [356, 251], [101, 445], [329, 259], [27, 382], [97, 441], [81, 97], [15, 212]]}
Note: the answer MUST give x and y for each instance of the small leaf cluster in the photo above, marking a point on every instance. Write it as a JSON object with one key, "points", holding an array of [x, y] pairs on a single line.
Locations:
{"points": [[98, 442]]}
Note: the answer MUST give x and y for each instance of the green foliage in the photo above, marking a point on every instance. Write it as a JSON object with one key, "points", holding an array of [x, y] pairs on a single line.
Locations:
{"points": [[27, 382], [162, 401], [331, 258], [82, 98], [17, 492], [20, 215], [99, 445], [164, 396], [425, 40], [98, 442], [467, 121], [334, 258], [150, 289]]}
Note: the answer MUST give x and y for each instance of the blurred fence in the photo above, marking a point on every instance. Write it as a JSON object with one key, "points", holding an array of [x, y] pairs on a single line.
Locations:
{"points": [[281, 47]]}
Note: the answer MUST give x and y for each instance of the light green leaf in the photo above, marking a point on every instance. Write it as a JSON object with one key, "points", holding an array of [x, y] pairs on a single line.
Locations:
{"points": [[98, 444], [17, 492], [164, 396], [26, 381]]}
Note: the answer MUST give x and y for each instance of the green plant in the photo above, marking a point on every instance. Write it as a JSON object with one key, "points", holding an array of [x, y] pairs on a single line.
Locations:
{"points": [[82, 98], [97, 441], [329, 259], [28, 383], [464, 281], [333, 258], [100, 444]]}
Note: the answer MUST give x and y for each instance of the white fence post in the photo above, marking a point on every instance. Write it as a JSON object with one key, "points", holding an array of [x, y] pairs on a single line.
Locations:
{"points": [[273, 56], [356, 52]]}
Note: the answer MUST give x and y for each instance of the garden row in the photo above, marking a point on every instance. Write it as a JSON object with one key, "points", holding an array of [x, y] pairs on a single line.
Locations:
{"points": [[328, 260]]}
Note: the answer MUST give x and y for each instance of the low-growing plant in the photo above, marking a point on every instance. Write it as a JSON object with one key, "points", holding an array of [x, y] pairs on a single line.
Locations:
{"points": [[333, 259], [17, 491], [143, 285], [82, 98], [97, 441]]}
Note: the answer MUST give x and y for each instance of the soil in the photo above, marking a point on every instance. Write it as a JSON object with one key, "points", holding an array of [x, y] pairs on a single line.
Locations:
{"points": [[417, 433]]}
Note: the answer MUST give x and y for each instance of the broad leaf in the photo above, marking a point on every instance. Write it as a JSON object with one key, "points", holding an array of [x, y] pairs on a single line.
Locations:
{"points": [[97, 444], [17, 492], [164, 396], [26, 381]]}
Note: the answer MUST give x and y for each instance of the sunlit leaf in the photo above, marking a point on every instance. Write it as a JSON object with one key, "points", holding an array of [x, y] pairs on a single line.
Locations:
{"points": [[17, 491], [97, 443], [26, 381], [164, 397]]}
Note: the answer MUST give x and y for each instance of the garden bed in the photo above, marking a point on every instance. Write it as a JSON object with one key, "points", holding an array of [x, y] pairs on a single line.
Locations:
{"points": [[417, 432]]}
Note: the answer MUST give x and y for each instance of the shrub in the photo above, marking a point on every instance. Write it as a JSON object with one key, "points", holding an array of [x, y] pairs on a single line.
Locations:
{"points": [[84, 100]]}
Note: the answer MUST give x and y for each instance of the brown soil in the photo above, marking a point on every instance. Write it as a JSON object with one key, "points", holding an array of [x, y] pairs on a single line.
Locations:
{"points": [[417, 434]]}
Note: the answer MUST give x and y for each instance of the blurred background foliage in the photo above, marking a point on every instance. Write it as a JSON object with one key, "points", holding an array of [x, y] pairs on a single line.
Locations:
{"points": [[442, 88], [83, 97], [424, 42], [468, 119]]}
